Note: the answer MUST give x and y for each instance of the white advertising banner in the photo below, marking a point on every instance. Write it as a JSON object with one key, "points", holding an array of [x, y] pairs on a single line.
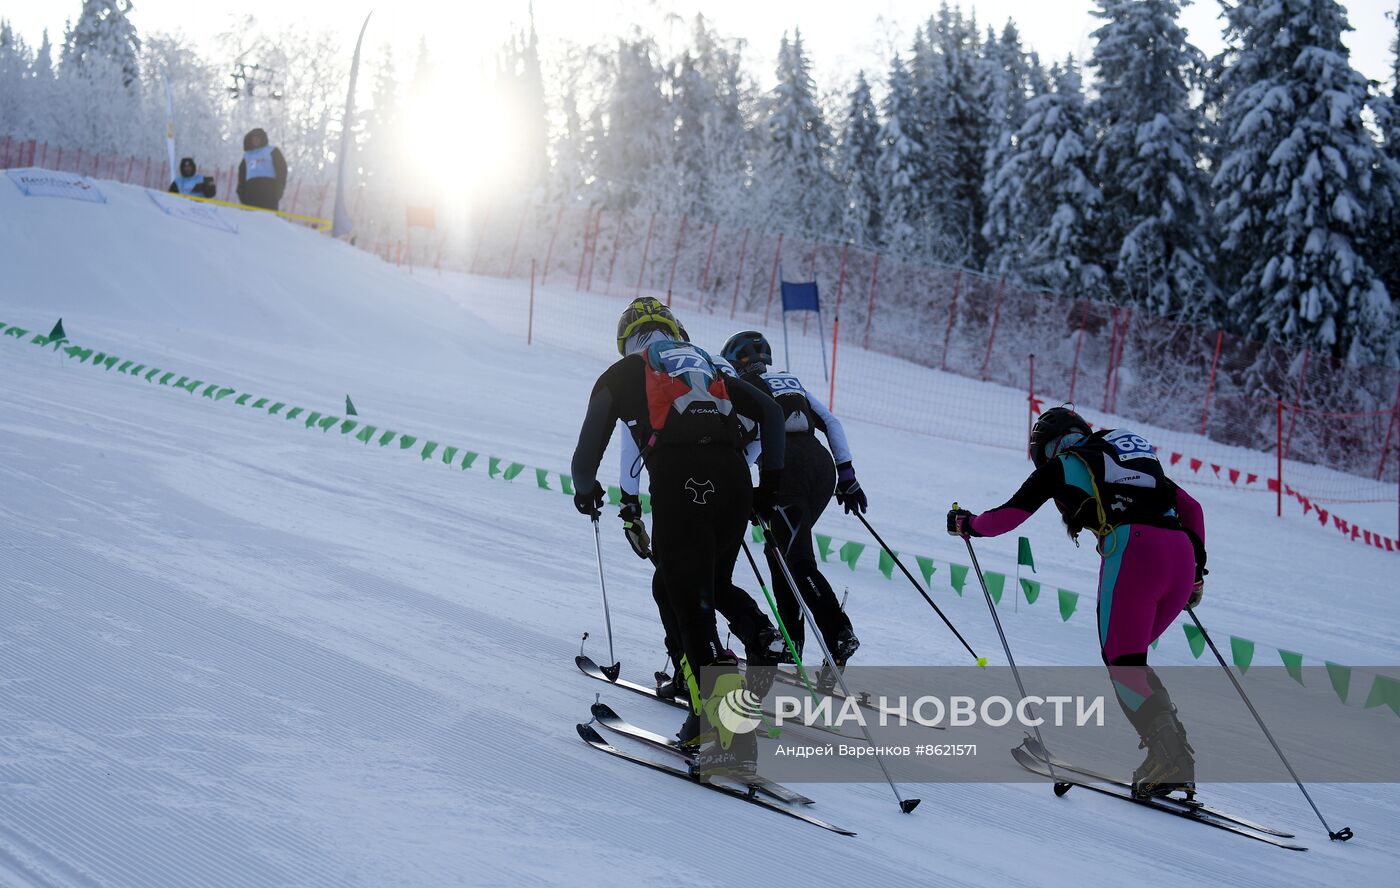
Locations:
{"points": [[34, 182], [193, 211]]}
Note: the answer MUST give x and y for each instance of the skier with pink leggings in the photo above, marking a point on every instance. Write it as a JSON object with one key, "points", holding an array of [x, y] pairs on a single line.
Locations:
{"points": [[1151, 535]]}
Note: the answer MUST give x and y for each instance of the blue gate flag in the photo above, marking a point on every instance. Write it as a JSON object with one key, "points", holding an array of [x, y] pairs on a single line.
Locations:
{"points": [[800, 297]]}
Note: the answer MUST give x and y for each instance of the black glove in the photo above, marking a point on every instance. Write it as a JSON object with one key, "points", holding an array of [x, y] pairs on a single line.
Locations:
{"points": [[590, 503], [848, 492], [1198, 590], [765, 495], [632, 526], [960, 523]]}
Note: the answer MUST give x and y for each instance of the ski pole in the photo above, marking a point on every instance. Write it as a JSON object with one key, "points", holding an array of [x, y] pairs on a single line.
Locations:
{"points": [[1060, 787], [782, 627], [981, 661], [1340, 835], [905, 805], [615, 669]]}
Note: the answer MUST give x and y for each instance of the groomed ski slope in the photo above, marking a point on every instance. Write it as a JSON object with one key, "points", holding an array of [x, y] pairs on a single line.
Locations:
{"points": [[237, 652]]}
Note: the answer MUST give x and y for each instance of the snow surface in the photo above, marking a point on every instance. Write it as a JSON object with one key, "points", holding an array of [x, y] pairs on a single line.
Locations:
{"points": [[237, 652]]}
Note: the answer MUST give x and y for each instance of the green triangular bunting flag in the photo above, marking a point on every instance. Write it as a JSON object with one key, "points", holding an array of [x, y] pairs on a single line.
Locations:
{"points": [[1242, 652], [1195, 639], [850, 553], [926, 568], [57, 332], [957, 577], [493, 467], [758, 535], [1293, 662], [1068, 602], [448, 455], [887, 564], [996, 584], [823, 545], [427, 451], [1341, 679], [542, 478], [566, 484], [1023, 554], [1032, 590], [1384, 692], [516, 468], [350, 407]]}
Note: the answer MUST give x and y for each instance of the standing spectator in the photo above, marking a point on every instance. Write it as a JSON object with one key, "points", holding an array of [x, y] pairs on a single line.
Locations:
{"points": [[262, 174], [189, 183]]}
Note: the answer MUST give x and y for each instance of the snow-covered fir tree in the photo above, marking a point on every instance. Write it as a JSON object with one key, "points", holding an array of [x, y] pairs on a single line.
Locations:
{"points": [[1154, 224], [1296, 191], [857, 165], [1006, 81], [104, 35], [634, 147], [1047, 181], [960, 137], [521, 80], [900, 166], [795, 164]]}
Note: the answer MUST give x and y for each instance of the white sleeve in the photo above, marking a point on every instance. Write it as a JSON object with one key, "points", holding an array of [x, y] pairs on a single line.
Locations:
{"points": [[629, 482], [835, 433], [752, 451]]}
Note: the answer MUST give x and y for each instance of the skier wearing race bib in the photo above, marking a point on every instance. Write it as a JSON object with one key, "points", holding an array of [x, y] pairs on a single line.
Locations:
{"points": [[682, 415], [1151, 535], [809, 478], [262, 173]]}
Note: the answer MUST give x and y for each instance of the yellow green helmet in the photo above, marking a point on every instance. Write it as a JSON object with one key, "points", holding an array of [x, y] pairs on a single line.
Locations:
{"points": [[646, 313]]}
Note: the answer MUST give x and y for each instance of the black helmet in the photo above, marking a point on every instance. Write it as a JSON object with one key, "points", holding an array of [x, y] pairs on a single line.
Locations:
{"points": [[745, 349], [646, 313], [1051, 426], [187, 161]]}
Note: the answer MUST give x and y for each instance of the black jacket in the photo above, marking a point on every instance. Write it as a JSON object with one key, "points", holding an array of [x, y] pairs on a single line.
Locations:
{"points": [[263, 192]]}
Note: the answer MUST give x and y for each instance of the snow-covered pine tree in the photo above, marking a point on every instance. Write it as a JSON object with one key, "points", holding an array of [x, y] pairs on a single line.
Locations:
{"points": [[962, 135], [795, 164], [1297, 194], [15, 66], [634, 152], [1154, 224], [1047, 180], [522, 80], [900, 165], [1005, 78], [857, 166], [727, 136], [104, 33]]}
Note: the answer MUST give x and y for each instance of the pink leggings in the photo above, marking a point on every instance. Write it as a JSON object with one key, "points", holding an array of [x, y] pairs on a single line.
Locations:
{"points": [[1144, 583]]}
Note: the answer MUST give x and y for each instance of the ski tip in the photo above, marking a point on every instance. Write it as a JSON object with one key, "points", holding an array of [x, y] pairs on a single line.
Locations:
{"points": [[585, 662], [613, 671], [603, 710], [908, 805], [1062, 788], [589, 735], [982, 661]]}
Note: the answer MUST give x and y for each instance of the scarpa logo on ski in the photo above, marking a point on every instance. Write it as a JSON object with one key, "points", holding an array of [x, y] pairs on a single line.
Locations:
{"points": [[740, 711], [699, 490]]}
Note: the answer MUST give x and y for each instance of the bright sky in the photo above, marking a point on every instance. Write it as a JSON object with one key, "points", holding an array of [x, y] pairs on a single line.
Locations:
{"points": [[842, 36]]}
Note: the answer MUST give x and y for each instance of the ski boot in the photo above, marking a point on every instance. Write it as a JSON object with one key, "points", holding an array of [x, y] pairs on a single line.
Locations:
{"points": [[729, 716], [846, 646], [763, 656], [671, 687], [1169, 766]]}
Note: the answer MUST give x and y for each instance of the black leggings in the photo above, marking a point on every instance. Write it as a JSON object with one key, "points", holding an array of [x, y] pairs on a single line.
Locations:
{"points": [[808, 482], [700, 501]]}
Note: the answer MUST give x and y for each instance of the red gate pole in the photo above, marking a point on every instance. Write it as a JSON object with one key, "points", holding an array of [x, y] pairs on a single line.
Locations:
{"points": [[510, 267], [870, 304], [646, 251], [1210, 383], [952, 313], [996, 318], [530, 324], [1297, 401], [773, 281], [676, 257], [549, 253], [710, 258], [612, 262], [835, 336], [743, 252], [1118, 362], [1278, 441]]}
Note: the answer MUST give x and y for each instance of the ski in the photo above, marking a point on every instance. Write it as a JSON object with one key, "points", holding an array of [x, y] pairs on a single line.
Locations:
{"points": [[606, 716], [594, 739], [824, 683], [1035, 749], [1037, 766]]}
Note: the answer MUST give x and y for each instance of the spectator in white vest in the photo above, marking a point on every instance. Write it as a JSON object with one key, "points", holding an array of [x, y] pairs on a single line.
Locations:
{"points": [[188, 182], [262, 174]]}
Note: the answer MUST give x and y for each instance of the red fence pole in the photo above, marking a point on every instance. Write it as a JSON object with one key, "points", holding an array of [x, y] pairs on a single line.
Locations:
{"points": [[58, 161], [773, 281], [1118, 362], [612, 262], [1078, 344], [710, 258], [646, 251], [44, 156], [515, 248], [996, 318], [130, 161], [952, 313], [870, 304], [583, 250], [1030, 401], [1278, 441], [1297, 401], [1210, 383], [676, 257], [743, 252], [549, 253], [1390, 430], [5, 163], [835, 336], [1112, 355]]}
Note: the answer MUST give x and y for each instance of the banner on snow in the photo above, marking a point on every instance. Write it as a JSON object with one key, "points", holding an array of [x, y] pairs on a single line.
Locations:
{"points": [[193, 211], [34, 182]]}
